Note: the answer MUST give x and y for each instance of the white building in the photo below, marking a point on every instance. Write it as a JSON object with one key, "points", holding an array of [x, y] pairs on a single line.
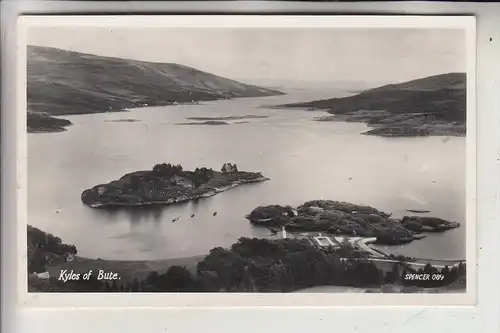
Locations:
{"points": [[43, 276], [283, 232], [324, 241]]}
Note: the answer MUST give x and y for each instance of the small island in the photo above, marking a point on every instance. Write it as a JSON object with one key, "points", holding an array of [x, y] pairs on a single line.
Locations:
{"points": [[222, 120], [167, 184], [122, 121], [247, 116], [343, 218], [208, 122], [420, 211]]}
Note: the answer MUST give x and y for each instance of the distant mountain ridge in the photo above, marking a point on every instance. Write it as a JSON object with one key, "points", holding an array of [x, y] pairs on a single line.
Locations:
{"points": [[61, 82], [434, 105], [343, 85]]}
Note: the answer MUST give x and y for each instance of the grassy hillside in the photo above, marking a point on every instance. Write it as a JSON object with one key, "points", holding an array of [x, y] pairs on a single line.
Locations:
{"points": [[64, 82], [434, 105]]}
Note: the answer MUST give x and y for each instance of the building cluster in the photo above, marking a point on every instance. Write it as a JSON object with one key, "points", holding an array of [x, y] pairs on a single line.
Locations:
{"points": [[319, 240]]}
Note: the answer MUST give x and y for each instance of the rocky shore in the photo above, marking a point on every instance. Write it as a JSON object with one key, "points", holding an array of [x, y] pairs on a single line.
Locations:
{"points": [[382, 123], [167, 184], [342, 218]]}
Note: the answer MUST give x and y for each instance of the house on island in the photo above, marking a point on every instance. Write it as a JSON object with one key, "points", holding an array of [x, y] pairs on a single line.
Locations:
{"points": [[70, 257]]}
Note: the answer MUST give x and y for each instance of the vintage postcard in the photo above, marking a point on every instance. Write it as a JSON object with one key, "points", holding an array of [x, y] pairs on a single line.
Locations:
{"points": [[272, 160]]}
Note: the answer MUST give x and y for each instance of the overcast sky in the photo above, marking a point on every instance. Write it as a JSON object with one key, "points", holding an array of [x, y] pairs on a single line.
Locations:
{"points": [[393, 55]]}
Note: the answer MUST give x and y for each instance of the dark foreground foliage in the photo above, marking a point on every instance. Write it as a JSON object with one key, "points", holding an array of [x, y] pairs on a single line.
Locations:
{"points": [[261, 265], [44, 248]]}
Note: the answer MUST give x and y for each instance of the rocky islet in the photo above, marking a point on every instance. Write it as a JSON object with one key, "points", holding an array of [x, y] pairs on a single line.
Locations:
{"points": [[343, 218]]}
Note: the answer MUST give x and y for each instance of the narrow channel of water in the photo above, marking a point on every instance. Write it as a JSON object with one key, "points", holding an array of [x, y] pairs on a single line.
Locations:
{"points": [[305, 160]]}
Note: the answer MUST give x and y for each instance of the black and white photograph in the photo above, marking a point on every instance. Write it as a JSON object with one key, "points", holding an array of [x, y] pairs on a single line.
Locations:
{"points": [[247, 158]]}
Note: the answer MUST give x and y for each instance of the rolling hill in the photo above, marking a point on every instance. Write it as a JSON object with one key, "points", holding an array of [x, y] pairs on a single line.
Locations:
{"points": [[433, 105], [61, 82]]}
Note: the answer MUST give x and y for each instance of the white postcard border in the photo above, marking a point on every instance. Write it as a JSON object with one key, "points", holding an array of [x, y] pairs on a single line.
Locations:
{"points": [[166, 300]]}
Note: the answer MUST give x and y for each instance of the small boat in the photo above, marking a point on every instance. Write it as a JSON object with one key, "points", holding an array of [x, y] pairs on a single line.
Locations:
{"points": [[215, 213], [192, 215], [176, 219], [418, 211]]}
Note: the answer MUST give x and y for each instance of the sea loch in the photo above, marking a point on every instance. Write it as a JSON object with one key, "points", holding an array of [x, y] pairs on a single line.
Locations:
{"points": [[304, 159]]}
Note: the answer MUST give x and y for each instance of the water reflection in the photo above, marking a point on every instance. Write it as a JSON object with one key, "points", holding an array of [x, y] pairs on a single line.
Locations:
{"points": [[135, 215], [153, 213]]}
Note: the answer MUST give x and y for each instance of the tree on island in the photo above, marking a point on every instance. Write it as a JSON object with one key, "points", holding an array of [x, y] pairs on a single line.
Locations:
{"points": [[201, 176], [228, 168], [167, 170]]}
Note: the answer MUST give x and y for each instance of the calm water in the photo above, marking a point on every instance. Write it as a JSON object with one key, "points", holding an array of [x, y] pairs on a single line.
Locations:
{"points": [[304, 159]]}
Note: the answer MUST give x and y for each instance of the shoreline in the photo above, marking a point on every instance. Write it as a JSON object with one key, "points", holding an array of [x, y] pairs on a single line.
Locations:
{"points": [[179, 199], [381, 124], [430, 106], [130, 271], [347, 219], [388, 129], [201, 268]]}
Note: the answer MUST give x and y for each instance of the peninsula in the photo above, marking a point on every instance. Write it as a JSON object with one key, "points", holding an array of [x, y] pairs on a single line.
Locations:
{"points": [[40, 123], [61, 82], [167, 184], [343, 218], [431, 106]]}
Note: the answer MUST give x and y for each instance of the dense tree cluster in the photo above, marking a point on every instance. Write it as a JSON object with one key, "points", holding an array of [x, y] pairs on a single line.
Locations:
{"points": [[263, 265], [40, 244], [167, 170], [201, 176]]}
